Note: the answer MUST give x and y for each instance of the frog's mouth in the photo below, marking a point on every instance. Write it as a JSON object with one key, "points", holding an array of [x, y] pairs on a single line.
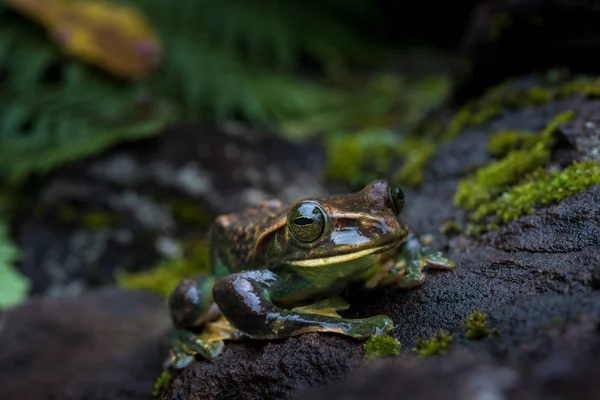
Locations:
{"points": [[340, 258]]}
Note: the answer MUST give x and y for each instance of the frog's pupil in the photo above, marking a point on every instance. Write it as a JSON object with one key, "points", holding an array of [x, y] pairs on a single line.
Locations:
{"points": [[306, 222], [303, 221]]}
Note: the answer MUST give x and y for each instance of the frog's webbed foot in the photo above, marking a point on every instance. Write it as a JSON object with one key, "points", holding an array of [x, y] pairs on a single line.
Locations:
{"points": [[245, 300], [208, 344], [407, 270], [329, 307]]}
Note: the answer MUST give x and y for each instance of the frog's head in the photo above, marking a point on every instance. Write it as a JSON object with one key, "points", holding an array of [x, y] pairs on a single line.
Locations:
{"points": [[329, 230]]}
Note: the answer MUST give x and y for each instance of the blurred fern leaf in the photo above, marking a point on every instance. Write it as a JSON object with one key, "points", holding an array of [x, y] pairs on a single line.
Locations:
{"points": [[221, 60]]}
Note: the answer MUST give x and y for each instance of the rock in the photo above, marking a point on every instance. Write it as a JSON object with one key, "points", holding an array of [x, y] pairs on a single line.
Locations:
{"points": [[102, 345], [525, 360], [533, 278], [269, 370], [528, 277], [117, 210]]}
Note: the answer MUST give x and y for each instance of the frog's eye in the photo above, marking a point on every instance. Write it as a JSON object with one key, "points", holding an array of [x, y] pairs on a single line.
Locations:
{"points": [[306, 222], [396, 198]]}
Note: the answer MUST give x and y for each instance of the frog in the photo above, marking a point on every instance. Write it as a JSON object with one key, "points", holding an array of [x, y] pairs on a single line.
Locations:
{"points": [[278, 270]]}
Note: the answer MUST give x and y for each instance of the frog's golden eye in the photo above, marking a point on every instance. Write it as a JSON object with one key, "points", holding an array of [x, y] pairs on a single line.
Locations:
{"points": [[396, 198], [306, 222]]}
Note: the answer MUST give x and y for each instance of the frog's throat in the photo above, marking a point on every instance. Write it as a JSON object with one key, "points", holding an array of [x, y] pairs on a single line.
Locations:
{"points": [[320, 262]]}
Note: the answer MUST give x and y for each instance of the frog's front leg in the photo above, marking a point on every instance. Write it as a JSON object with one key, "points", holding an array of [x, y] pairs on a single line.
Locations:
{"points": [[245, 298], [407, 269], [199, 326]]}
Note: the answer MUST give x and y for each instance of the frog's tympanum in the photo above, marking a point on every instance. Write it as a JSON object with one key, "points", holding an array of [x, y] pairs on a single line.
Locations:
{"points": [[277, 270]]}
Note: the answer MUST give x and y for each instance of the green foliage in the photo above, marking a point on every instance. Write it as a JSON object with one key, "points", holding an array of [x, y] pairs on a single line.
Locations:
{"points": [[163, 278], [439, 344], [231, 58], [476, 326], [13, 286], [491, 180], [381, 346], [221, 60], [161, 385]]}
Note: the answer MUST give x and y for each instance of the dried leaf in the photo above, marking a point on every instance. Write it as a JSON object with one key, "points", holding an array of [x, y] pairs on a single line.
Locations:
{"points": [[114, 37]]}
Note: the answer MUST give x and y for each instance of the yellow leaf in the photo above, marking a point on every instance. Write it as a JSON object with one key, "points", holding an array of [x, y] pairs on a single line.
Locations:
{"points": [[113, 37]]}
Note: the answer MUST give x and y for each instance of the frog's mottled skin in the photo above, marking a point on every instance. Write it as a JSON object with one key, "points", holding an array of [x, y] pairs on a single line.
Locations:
{"points": [[276, 270]]}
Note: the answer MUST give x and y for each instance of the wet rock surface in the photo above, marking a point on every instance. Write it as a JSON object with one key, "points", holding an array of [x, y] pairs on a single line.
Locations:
{"points": [[258, 370], [534, 355], [107, 344], [533, 278]]}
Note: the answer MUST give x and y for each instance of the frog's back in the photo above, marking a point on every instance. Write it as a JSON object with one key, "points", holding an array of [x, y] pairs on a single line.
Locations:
{"points": [[233, 236]]}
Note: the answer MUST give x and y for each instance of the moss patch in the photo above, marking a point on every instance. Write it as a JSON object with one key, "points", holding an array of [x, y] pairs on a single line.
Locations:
{"points": [[361, 156], [100, 219], [161, 385], [502, 142], [476, 326], [451, 227], [187, 212], [439, 344], [540, 189], [381, 346], [494, 178], [163, 278], [416, 154]]}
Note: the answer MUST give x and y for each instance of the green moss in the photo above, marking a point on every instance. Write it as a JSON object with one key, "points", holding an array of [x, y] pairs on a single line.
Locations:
{"points": [[502, 142], [439, 344], [494, 178], [100, 219], [381, 346], [539, 95], [161, 385], [92, 219], [476, 326], [556, 321], [163, 278], [65, 213], [584, 86], [540, 189], [188, 212], [416, 154], [474, 113], [451, 227]]}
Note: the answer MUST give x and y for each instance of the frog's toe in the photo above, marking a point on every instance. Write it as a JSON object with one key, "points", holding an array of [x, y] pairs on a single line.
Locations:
{"points": [[186, 345], [181, 360], [374, 326], [383, 325], [411, 281], [437, 260]]}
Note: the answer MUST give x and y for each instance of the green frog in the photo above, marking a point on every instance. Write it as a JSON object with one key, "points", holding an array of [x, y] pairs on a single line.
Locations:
{"points": [[278, 270]]}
